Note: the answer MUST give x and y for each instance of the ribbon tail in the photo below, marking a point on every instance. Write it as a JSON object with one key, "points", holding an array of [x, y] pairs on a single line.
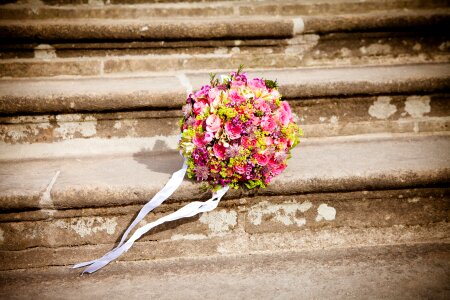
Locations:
{"points": [[186, 211], [170, 187]]}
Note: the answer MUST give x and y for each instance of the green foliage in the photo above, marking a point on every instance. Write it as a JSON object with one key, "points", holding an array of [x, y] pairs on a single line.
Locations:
{"points": [[213, 80], [251, 184], [271, 84], [240, 69], [227, 112]]}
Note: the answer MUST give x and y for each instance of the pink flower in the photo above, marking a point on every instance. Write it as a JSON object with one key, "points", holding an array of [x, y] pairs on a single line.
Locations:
{"points": [[256, 83], [233, 131], [212, 94], [236, 84], [213, 123], [219, 151], [202, 92], [201, 139], [268, 123], [285, 113], [276, 168], [239, 169], [247, 142], [200, 106], [262, 159], [262, 105], [236, 98], [198, 123]]}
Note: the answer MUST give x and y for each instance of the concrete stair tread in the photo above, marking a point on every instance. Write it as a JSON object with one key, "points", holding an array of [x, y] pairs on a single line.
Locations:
{"points": [[218, 27], [320, 165], [383, 271], [133, 92], [209, 9]]}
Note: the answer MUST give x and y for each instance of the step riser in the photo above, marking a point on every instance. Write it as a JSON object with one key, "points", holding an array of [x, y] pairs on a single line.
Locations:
{"points": [[309, 50], [230, 245], [258, 215], [159, 129]]}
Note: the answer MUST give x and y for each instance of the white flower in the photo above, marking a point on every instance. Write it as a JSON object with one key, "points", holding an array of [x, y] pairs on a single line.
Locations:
{"points": [[224, 79], [188, 147]]}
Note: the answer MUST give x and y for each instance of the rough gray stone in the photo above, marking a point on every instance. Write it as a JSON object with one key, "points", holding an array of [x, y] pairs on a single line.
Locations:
{"points": [[381, 272], [99, 94], [333, 164], [151, 29]]}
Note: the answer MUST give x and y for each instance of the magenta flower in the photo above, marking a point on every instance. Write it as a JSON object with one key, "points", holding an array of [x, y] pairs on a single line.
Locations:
{"points": [[236, 98], [219, 151], [233, 131], [262, 159], [201, 139], [256, 83], [200, 106]]}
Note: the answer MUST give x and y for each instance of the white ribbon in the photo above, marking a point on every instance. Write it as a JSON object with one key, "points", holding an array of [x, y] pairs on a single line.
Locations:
{"points": [[186, 211]]}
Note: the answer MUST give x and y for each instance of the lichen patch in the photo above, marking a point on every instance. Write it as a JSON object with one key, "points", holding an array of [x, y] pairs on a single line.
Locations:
{"points": [[219, 221], [285, 213], [89, 225], [325, 212], [417, 106], [382, 108]]}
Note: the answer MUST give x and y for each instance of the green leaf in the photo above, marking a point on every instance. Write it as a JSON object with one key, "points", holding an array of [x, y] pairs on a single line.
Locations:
{"points": [[271, 84]]}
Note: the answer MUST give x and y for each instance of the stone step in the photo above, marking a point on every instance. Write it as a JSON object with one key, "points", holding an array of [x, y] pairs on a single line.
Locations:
{"points": [[383, 271], [96, 116], [71, 10], [144, 92], [308, 50], [353, 163], [253, 26]]}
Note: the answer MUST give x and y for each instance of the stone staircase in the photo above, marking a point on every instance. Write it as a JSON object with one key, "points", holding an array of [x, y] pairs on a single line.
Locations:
{"points": [[90, 96]]}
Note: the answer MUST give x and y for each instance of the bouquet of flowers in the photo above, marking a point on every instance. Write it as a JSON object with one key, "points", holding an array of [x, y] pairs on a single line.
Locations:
{"points": [[234, 132], [237, 131]]}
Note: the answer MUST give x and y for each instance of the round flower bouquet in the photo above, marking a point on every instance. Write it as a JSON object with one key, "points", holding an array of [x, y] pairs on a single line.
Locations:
{"points": [[235, 132]]}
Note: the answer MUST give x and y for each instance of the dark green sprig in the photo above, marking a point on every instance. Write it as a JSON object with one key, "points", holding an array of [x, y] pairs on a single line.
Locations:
{"points": [[240, 69], [213, 80], [271, 84]]}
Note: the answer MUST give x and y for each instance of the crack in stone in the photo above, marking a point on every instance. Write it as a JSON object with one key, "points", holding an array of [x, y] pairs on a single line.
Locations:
{"points": [[46, 201]]}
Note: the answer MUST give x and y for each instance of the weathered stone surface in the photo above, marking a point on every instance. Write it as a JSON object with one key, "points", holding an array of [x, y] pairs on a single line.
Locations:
{"points": [[38, 68], [350, 115], [92, 94], [310, 82], [352, 210], [151, 29], [406, 20], [341, 49], [278, 214], [381, 272], [333, 164], [230, 245], [105, 9], [101, 94]]}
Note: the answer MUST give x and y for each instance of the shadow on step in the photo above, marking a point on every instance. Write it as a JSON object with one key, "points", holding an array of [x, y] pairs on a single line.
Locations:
{"points": [[160, 158]]}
